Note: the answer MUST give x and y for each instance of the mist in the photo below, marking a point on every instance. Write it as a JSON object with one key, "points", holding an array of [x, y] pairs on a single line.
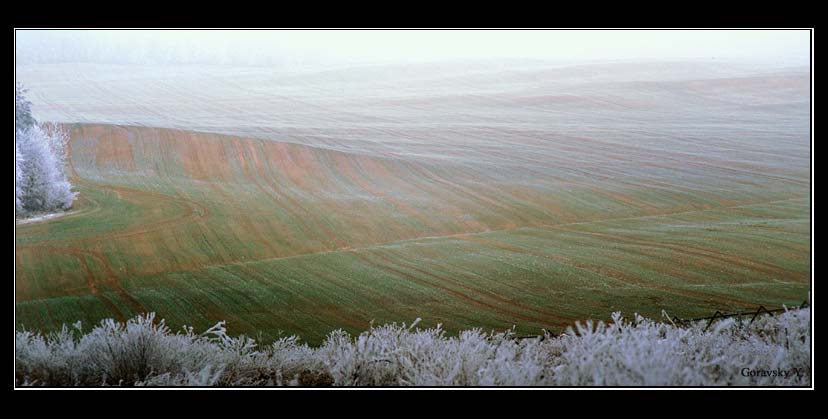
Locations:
{"points": [[304, 48]]}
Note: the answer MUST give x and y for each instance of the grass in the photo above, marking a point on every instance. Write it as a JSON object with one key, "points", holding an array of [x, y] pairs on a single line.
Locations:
{"points": [[281, 238]]}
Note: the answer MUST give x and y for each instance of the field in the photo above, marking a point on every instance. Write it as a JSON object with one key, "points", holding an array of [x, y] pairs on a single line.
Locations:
{"points": [[532, 196]]}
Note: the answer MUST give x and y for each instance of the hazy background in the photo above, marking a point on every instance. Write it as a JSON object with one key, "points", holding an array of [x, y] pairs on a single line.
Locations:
{"points": [[412, 93], [320, 47]]}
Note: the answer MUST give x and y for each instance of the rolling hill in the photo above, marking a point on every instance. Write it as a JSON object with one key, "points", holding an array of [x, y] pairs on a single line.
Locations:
{"points": [[532, 196]]}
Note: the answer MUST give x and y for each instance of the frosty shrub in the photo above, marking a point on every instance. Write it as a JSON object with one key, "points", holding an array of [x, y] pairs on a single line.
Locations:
{"points": [[41, 184], [771, 351]]}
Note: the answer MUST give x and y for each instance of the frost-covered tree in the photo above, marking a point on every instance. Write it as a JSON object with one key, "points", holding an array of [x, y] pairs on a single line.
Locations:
{"points": [[18, 179], [22, 109], [41, 183]]}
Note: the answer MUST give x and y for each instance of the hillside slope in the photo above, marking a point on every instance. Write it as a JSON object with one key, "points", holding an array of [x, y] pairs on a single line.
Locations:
{"points": [[203, 227], [530, 197]]}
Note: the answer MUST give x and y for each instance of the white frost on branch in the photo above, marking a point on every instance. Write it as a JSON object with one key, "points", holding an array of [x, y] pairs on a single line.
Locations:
{"points": [[144, 351], [41, 184]]}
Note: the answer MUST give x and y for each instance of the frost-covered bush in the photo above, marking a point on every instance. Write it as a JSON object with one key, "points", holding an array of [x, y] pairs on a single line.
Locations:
{"points": [[144, 351], [400, 355], [41, 184], [643, 352], [647, 353]]}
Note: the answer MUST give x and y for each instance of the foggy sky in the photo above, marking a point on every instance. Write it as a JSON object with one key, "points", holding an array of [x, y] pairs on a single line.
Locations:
{"points": [[775, 47]]}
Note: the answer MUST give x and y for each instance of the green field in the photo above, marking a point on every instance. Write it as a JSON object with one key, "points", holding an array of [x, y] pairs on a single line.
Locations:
{"points": [[272, 236]]}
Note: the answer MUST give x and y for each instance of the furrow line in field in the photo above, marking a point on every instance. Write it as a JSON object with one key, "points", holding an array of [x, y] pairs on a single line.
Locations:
{"points": [[691, 250], [461, 284], [610, 273], [459, 295]]}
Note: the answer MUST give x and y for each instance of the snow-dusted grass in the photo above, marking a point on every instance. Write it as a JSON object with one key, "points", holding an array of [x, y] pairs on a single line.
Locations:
{"points": [[641, 352]]}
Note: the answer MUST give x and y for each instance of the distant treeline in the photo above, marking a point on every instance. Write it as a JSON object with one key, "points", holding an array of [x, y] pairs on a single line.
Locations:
{"points": [[146, 48]]}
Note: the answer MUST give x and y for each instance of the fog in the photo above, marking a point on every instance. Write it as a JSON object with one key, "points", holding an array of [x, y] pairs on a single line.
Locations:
{"points": [[438, 95], [302, 48]]}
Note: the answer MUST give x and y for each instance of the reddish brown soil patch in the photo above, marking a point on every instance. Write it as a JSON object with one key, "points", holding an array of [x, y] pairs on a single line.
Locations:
{"points": [[114, 150], [203, 156]]}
